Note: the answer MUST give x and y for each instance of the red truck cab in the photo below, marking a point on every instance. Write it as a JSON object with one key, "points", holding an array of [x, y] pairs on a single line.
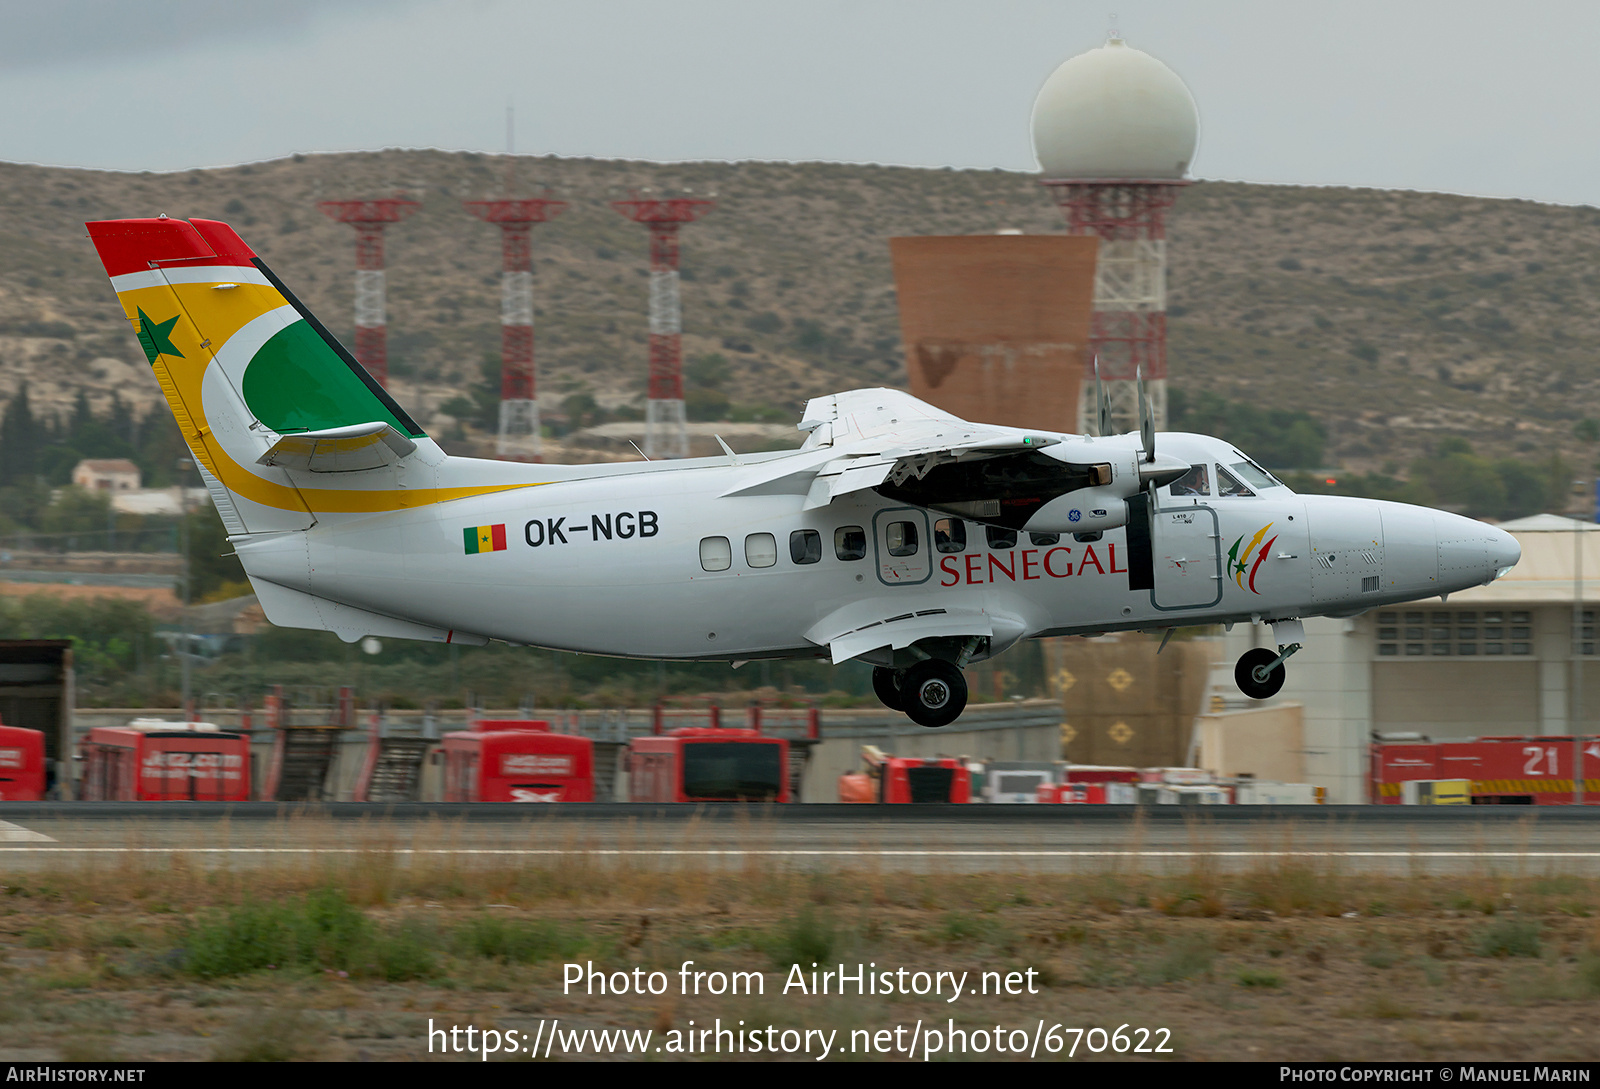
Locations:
{"points": [[154, 761], [517, 760], [708, 764], [22, 772]]}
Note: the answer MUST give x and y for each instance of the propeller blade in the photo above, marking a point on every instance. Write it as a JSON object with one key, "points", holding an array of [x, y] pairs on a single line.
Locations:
{"points": [[1102, 400], [1147, 419]]}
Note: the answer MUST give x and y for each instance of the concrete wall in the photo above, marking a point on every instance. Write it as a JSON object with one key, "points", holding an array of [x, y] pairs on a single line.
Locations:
{"points": [[1265, 742]]}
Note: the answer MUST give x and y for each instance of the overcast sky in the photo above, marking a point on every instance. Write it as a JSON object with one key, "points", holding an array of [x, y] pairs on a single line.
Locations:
{"points": [[1466, 96]]}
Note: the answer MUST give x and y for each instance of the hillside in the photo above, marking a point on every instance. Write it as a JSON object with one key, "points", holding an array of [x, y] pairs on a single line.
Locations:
{"points": [[1395, 318]]}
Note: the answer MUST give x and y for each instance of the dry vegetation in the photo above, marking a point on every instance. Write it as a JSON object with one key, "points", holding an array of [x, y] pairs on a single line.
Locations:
{"points": [[154, 957], [1394, 317]]}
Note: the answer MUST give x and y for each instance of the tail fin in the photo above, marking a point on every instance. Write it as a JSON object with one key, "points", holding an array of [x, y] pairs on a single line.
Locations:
{"points": [[258, 386]]}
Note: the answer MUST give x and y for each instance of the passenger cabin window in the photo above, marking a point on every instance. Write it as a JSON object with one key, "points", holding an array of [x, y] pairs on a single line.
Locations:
{"points": [[805, 546], [1045, 540], [1197, 481], [901, 537], [850, 543], [1228, 484], [716, 554], [1000, 538], [761, 550], [950, 535]]}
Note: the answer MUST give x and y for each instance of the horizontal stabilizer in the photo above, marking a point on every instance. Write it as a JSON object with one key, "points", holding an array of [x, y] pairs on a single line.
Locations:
{"points": [[340, 449], [296, 609]]}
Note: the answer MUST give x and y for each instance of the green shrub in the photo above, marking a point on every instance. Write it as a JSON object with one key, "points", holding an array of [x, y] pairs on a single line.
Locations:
{"points": [[515, 941], [1186, 959], [1509, 938], [1249, 977], [803, 939], [320, 931]]}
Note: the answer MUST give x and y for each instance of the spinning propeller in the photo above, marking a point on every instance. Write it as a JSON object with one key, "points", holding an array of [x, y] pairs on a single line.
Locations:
{"points": [[1155, 469]]}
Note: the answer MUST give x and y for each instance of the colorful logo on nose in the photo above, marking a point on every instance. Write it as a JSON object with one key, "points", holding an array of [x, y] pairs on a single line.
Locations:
{"points": [[1241, 565]]}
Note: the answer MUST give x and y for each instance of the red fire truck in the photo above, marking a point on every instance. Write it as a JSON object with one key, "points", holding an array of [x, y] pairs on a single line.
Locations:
{"points": [[905, 779], [1499, 770], [151, 761], [517, 760], [22, 777], [708, 764]]}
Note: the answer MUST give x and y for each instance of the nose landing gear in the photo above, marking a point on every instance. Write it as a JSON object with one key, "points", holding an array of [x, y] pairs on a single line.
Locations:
{"points": [[932, 692], [1260, 673]]}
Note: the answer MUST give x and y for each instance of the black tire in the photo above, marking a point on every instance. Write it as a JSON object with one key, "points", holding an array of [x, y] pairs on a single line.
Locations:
{"points": [[1244, 674], [934, 693], [886, 686]]}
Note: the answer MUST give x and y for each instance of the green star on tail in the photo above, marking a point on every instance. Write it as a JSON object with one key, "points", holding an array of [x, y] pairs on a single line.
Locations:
{"points": [[156, 337]]}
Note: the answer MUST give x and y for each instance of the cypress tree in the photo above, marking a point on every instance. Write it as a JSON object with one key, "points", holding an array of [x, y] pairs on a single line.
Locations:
{"points": [[19, 440]]}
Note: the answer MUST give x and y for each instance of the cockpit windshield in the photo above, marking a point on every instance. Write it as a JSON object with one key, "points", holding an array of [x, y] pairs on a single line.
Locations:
{"points": [[1255, 475], [1228, 484]]}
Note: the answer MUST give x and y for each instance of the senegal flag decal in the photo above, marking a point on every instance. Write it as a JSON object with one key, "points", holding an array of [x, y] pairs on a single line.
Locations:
{"points": [[484, 539]]}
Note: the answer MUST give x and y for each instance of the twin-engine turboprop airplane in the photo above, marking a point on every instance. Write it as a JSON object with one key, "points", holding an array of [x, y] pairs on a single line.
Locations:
{"points": [[897, 534]]}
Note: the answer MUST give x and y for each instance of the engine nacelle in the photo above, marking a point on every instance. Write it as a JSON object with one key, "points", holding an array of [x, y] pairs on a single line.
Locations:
{"points": [[1086, 510]]}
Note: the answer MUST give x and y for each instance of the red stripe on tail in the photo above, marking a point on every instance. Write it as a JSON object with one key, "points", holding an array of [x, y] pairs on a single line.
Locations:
{"points": [[137, 245]]}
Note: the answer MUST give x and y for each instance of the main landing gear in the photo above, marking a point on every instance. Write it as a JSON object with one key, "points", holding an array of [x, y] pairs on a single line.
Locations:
{"points": [[932, 692], [1260, 673]]}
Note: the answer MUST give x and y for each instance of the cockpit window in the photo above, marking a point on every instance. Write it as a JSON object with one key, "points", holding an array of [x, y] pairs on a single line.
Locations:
{"points": [[1197, 481], [1255, 475], [1228, 484]]}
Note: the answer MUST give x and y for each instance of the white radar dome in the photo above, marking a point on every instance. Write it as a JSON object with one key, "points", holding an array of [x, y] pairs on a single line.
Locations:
{"points": [[1115, 112]]}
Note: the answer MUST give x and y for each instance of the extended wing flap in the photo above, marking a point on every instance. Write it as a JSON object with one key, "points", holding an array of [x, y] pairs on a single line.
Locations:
{"points": [[340, 449]]}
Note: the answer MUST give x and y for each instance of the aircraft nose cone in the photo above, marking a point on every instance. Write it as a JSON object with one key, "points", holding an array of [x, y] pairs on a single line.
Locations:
{"points": [[1471, 552], [1505, 551]]}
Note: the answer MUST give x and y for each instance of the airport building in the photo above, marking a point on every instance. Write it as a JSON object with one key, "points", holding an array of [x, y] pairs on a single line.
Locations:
{"points": [[1515, 657]]}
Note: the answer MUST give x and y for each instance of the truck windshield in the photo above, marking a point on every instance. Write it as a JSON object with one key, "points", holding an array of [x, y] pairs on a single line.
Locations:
{"points": [[732, 770]]}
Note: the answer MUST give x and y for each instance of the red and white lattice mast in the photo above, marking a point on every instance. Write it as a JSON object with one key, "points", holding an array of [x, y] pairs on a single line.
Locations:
{"points": [[519, 398], [369, 218], [1115, 131], [666, 432]]}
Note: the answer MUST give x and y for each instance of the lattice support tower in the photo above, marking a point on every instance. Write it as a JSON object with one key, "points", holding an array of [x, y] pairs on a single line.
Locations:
{"points": [[1128, 333], [666, 432], [518, 438], [370, 218]]}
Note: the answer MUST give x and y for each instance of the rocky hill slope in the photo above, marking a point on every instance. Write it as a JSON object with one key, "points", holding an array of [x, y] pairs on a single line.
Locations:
{"points": [[1395, 318]]}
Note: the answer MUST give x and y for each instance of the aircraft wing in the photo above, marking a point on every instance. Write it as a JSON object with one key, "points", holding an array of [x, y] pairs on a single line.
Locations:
{"points": [[863, 438]]}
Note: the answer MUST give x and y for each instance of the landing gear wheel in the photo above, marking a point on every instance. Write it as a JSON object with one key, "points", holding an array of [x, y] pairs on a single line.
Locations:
{"points": [[933, 693], [1251, 677], [886, 686]]}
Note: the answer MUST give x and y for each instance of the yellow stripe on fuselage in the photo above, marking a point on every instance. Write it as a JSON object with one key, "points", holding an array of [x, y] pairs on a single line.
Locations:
{"points": [[221, 314]]}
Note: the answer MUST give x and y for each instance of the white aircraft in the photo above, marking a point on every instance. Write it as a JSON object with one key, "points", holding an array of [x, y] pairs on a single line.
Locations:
{"points": [[897, 534]]}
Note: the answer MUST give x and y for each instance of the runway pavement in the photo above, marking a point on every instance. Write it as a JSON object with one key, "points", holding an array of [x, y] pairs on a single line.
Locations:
{"points": [[1351, 839]]}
